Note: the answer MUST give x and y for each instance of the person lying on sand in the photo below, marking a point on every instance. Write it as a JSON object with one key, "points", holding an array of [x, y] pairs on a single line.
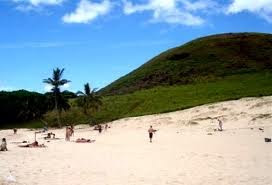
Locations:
{"points": [[3, 146], [83, 140], [150, 132], [33, 145]]}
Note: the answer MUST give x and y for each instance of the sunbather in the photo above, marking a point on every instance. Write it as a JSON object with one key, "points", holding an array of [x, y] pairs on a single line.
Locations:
{"points": [[33, 145], [83, 140]]}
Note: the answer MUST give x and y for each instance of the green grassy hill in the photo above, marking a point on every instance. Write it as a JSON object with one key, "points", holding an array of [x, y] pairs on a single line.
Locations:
{"points": [[170, 98], [206, 70], [202, 60]]}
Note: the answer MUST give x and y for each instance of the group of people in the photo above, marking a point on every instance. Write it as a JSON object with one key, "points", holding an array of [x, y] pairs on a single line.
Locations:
{"points": [[50, 135], [69, 132], [151, 131], [99, 127]]}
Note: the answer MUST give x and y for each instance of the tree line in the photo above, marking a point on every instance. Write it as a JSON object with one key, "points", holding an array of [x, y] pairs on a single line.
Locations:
{"points": [[21, 106]]}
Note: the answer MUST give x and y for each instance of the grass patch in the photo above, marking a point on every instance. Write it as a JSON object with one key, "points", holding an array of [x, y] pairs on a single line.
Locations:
{"points": [[172, 98], [202, 60]]}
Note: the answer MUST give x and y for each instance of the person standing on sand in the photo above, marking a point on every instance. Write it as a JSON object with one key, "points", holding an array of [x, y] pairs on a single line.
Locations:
{"points": [[72, 130], [100, 128], [150, 132], [220, 124], [106, 127], [4, 145], [68, 133]]}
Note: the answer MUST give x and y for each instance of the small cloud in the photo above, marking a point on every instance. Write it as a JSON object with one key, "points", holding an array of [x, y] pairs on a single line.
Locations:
{"points": [[200, 5], [262, 8], [35, 5], [66, 86], [172, 11], [48, 87], [88, 11], [6, 88], [40, 2]]}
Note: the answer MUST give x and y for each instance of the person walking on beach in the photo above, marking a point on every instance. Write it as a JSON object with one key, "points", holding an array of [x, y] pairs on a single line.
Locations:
{"points": [[106, 127], [4, 145], [150, 132], [68, 133], [100, 129], [72, 130], [220, 124]]}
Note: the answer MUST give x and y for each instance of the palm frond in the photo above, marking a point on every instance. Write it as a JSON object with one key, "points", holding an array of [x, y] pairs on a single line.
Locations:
{"points": [[48, 81], [80, 93], [64, 81]]}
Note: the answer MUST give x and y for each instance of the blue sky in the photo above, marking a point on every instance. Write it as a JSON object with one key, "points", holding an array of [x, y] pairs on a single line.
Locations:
{"points": [[98, 41]]}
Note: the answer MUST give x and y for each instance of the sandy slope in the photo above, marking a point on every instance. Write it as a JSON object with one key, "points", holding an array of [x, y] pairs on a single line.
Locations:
{"points": [[182, 152]]}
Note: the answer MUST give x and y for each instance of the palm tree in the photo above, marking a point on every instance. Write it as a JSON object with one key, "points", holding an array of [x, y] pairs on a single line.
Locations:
{"points": [[89, 99], [56, 82]]}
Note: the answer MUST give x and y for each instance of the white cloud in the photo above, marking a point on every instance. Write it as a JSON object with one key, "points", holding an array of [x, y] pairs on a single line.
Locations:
{"points": [[87, 11], [40, 2], [172, 11], [6, 88], [199, 5], [262, 8], [35, 5], [48, 87], [66, 86]]}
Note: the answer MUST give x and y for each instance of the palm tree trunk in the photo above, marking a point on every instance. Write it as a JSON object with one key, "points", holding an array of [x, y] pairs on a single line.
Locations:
{"points": [[57, 110]]}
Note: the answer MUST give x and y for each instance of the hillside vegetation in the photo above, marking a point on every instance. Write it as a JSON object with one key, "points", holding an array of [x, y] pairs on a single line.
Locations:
{"points": [[170, 98], [206, 70], [21, 106], [202, 60]]}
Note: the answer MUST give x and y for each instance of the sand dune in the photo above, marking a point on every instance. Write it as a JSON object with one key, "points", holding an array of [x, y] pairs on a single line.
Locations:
{"points": [[182, 152]]}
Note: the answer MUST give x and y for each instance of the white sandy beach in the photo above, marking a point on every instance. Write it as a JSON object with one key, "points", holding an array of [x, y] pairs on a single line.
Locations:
{"points": [[182, 152]]}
